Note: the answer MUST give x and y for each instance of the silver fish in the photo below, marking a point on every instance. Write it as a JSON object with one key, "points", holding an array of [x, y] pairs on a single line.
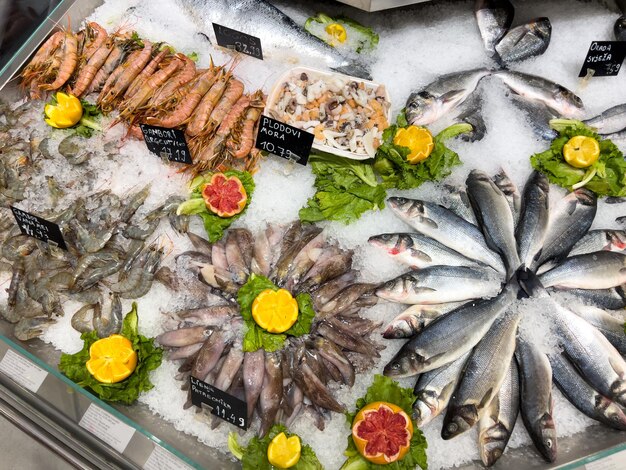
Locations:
{"points": [[415, 318], [496, 425], [419, 251], [494, 216], [442, 96], [450, 336], [598, 240], [569, 221], [455, 199], [483, 375], [583, 396], [261, 20], [510, 191], [447, 228], [536, 398], [609, 121], [433, 390], [619, 29], [525, 41], [618, 138], [441, 284], [610, 299], [534, 218], [535, 88], [598, 270], [610, 326], [494, 18], [538, 117]]}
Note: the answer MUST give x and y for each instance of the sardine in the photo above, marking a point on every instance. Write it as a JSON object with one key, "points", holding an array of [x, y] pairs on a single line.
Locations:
{"points": [[442, 96], [419, 251], [447, 228], [535, 88], [450, 336], [598, 240], [525, 41], [415, 318], [536, 398], [271, 392], [569, 222], [441, 284], [494, 18], [598, 270], [583, 396], [262, 20], [494, 216], [534, 217], [483, 375], [609, 121], [610, 326], [433, 390]]}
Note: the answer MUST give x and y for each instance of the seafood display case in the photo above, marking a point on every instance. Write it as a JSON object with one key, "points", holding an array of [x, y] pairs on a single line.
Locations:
{"points": [[88, 432]]}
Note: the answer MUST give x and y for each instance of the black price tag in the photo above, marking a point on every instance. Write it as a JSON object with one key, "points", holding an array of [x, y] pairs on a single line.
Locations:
{"points": [[223, 405], [241, 42], [38, 228], [166, 142], [605, 58], [284, 140]]}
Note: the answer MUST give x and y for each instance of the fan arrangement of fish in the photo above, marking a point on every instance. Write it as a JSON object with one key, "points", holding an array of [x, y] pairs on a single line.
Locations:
{"points": [[473, 266]]}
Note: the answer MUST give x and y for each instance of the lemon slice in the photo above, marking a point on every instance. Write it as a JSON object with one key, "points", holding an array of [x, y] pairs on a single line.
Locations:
{"points": [[581, 151], [337, 31], [112, 359], [284, 452], [275, 311]]}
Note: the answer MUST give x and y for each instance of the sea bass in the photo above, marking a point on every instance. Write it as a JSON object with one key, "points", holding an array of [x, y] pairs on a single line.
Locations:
{"points": [[533, 224], [609, 121], [598, 270], [278, 32], [442, 96], [415, 318], [598, 240]]}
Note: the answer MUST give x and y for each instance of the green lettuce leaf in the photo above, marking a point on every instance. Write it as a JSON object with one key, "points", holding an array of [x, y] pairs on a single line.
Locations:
{"points": [[606, 177], [214, 225], [345, 190], [256, 337], [127, 391], [385, 389], [362, 38]]}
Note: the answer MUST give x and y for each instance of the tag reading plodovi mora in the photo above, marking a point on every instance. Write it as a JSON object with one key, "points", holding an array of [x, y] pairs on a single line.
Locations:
{"points": [[166, 142], [284, 140], [222, 404], [107, 427], [24, 372], [38, 228], [240, 42], [604, 58]]}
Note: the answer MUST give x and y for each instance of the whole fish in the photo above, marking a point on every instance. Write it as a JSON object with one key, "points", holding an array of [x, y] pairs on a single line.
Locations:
{"points": [[494, 216], [618, 138], [569, 221], [598, 240], [440, 284], [447, 228], [533, 225], [433, 390], [510, 191], [496, 425], [525, 41], [442, 96], [271, 392], [609, 121], [583, 396], [610, 326], [535, 88], [494, 18], [483, 375], [419, 251], [262, 20], [598, 270], [536, 398], [610, 299], [619, 29], [450, 336], [415, 318], [538, 117], [455, 199]]}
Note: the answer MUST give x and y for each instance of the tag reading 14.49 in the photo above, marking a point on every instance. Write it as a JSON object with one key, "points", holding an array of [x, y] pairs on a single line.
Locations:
{"points": [[222, 404]]}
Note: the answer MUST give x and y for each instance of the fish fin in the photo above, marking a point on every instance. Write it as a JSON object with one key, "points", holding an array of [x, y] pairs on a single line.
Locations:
{"points": [[452, 95], [421, 255], [433, 358], [355, 70], [486, 399], [420, 290], [426, 221]]}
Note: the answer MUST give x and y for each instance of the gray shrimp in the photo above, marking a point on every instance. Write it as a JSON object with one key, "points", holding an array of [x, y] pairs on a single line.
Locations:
{"points": [[29, 328], [82, 321], [91, 241], [134, 202], [106, 327]]}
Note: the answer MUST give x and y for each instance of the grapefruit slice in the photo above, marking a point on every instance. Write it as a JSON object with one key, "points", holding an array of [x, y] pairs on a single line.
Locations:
{"points": [[224, 196], [382, 432]]}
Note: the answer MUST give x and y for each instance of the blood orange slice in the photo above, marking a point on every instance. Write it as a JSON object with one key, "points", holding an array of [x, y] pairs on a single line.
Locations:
{"points": [[224, 196], [382, 432]]}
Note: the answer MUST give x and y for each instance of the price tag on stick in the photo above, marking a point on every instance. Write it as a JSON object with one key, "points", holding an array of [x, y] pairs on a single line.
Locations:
{"points": [[284, 140], [223, 405], [38, 228], [604, 58], [166, 142], [241, 42]]}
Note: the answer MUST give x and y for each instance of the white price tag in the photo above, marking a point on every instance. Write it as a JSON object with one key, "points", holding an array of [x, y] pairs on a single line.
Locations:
{"points": [[107, 427], [612, 462], [161, 459], [23, 371]]}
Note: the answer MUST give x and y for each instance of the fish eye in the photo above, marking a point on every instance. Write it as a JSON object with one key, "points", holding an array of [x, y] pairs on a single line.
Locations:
{"points": [[386, 236], [452, 427], [548, 443], [395, 366]]}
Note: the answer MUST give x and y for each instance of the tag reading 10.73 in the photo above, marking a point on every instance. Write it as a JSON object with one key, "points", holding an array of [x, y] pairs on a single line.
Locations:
{"points": [[284, 140]]}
